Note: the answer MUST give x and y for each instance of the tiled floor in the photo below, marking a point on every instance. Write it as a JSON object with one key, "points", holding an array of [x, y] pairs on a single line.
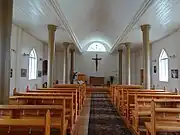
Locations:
{"points": [[83, 120]]}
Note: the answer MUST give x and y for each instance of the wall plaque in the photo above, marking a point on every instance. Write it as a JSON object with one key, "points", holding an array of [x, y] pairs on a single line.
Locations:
{"points": [[23, 72], [39, 73], [11, 73], [174, 73], [155, 69]]}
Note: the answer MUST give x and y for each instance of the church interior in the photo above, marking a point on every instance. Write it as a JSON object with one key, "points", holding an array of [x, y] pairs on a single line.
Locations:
{"points": [[89, 67]]}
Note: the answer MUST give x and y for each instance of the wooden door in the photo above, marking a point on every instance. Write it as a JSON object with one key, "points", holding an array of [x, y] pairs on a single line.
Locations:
{"points": [[142, 76]]}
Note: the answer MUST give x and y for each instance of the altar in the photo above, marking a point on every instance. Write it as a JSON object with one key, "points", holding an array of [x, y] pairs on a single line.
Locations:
{"points": [[96, 81]]}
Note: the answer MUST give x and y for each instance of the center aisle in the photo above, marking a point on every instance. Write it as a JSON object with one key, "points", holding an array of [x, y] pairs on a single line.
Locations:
{"points": [[104, 119]]}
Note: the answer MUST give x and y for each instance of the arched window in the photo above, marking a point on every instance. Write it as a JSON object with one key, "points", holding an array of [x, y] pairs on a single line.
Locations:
{"points": [[163, 66], [32, 64], [96, 47]]}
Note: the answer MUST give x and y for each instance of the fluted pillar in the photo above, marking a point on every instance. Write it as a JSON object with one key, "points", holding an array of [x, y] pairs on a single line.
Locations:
{"points": [[146, 56], [51, 53], [128, 63], [72, 50], [6, 9], [65, 73], [120, 65]]}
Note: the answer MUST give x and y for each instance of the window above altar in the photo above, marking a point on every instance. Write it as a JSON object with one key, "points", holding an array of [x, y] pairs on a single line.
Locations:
{"points": [[96, 47]]}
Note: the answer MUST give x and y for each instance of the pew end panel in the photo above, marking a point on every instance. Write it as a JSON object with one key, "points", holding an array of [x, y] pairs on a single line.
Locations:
{"points": [[164, 119], [7, 126]]}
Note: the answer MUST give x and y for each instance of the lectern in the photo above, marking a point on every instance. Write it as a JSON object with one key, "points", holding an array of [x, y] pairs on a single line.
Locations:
{"points": [[81, 77]]}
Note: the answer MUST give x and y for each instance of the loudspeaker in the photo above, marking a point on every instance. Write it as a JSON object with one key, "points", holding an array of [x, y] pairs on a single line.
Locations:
{"points": [[45, 67]]}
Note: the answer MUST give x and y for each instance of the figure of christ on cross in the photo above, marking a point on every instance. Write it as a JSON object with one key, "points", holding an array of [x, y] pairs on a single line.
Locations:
{"points": [[96, 61]]}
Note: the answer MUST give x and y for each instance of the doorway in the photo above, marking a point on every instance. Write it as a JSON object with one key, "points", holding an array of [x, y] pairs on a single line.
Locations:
{"points": [[141, 76]]}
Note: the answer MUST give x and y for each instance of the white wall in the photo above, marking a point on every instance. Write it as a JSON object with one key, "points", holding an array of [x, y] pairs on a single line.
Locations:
{"points": [[108, 66], [22, 42], [171, 45], [59, 66], [124, 71], [138, 66], [133, 68], [45, 57]]}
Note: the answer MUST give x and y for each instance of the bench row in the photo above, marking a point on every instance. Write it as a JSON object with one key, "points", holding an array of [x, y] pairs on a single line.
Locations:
{"points": [[45, 109], [135, 105]]}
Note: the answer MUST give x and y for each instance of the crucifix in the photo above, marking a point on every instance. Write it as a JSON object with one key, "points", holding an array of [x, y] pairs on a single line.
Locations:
{"points": [[96, 61]]}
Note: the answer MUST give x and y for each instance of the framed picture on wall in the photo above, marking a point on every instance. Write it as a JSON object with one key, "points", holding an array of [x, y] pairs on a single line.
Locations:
{"points": [[39, 73], [155, 69], [11, 73], [23, 72], [174, 73], [45, 67]]}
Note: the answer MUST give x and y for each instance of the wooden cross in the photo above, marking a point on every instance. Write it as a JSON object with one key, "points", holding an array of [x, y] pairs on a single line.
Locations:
{"points": [[96, 61]]}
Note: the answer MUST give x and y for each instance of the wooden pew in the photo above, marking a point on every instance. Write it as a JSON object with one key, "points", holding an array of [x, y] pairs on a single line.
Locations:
{"points": [[82, 87], [128, 103], [118, 88], [80, 92], [164, 119], [80, 97], [44, 100], [76, 104], [123, 97], [142, 108], [66, 85], [17, 116]]}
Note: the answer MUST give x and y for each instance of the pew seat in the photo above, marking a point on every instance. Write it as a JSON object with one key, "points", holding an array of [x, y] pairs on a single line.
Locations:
{"points": [[33, 116], [44, 123], [163, 127], [29, 123], [142, 111], [59, 91]]}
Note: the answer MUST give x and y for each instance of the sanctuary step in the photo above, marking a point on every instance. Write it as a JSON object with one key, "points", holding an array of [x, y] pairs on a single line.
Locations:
{"points": [[97, 89]]}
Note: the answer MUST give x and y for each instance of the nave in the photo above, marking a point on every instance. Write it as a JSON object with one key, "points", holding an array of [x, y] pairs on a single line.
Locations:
{"points": [[117, 110], [55, 53]]}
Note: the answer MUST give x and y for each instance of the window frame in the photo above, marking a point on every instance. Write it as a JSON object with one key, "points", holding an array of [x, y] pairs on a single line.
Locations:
{"points": [[100, 47], [32, 65], [163, 66]]}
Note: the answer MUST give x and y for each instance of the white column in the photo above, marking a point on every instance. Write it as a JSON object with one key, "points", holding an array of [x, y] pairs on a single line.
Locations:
{"points": [[120, 65], [72, 50], [6, 9], [65, 73], [146, 56], [128, 63], [51, 54]]}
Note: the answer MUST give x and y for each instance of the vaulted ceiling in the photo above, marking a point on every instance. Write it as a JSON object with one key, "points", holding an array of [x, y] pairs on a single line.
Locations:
{"points": [[111, 22]]}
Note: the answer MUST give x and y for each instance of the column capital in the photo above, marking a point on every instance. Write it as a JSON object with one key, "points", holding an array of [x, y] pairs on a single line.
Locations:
{"points": [[52, 27], [120, 44], [127, 44], [145, 27], [120, 50], [72, 45], [72, 50], [66, 44]]}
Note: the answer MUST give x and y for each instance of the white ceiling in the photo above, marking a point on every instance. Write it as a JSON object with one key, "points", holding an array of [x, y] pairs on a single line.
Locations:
{"points": [[111, 22], [163, 18]]}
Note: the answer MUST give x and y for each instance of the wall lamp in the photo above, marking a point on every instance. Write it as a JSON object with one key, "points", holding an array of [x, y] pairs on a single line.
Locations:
{"points": [[154, 60], [173, 56], [25, 54], [13, 50]]}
